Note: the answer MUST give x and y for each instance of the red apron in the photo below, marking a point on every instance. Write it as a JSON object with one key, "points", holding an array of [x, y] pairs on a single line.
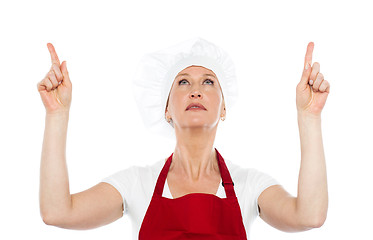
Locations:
{"points": [[195, 215]]}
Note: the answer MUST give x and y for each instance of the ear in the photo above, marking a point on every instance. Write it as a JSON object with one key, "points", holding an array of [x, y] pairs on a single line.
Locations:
{"points": [[166, 112], [223, 111]]}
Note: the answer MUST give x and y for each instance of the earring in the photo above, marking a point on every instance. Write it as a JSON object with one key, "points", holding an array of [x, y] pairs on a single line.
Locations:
{"points": [[222, 118]]}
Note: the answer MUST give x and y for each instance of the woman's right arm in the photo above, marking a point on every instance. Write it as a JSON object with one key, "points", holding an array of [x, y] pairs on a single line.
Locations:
{"points": [[94, 207]]}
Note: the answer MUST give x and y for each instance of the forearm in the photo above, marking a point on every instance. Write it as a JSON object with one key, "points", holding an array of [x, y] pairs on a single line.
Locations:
{"points": [[312, 199], [54, 192]]}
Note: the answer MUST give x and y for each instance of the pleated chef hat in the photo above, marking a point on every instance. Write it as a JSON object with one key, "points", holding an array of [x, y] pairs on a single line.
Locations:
{"points": [[156, 72]]}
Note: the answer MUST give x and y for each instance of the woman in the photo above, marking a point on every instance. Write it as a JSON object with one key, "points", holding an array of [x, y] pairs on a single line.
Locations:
{"points": [[181, 197]]}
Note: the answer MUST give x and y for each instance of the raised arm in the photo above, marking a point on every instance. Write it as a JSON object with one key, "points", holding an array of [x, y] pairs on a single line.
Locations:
{"points": [[94, 207], [309, 209]]}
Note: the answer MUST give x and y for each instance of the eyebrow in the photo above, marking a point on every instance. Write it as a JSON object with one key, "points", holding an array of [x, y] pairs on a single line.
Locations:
{"points": [[187, 74]]}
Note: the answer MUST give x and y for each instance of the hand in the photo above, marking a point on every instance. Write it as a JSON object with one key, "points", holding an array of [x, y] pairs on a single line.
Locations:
{"points": [[55, 88], [312, 90]]}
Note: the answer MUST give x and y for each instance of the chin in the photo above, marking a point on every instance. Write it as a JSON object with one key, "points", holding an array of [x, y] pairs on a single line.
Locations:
{"points": [[196, 123]]}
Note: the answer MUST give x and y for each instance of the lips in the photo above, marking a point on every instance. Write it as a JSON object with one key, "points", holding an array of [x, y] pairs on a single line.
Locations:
{"points": [[200, 106]]}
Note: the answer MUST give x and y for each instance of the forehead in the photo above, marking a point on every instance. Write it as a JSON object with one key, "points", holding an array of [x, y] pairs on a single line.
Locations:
{"points": [[196, 70]]}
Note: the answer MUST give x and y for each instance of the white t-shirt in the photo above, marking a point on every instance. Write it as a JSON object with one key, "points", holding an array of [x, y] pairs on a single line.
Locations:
{"points": [[136, 185]]}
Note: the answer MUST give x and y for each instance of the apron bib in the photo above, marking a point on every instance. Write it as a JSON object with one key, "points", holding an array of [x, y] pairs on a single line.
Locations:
{"points": [[194, 216]]}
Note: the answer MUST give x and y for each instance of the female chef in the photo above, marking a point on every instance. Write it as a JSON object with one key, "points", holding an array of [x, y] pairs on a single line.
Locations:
{"points": [[182, 92]]}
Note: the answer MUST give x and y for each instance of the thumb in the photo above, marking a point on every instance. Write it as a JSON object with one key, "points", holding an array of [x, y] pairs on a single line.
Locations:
{"points": [[306, 74], [65, 73]]}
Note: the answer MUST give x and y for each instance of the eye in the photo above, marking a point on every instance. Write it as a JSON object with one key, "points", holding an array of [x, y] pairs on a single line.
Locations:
{"points": [[182, 81], [207, 79], [212, 82]]}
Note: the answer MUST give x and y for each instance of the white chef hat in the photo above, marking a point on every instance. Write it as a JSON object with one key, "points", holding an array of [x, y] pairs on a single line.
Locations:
{"points": [[156, 72]]}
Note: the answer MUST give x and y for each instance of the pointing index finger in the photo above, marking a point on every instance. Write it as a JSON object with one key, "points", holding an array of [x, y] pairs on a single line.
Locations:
{"points": [[308, 57], [53, 53]]}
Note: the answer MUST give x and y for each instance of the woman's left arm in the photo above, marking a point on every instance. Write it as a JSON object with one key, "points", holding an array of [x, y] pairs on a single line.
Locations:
{"points": [[309, 209]]}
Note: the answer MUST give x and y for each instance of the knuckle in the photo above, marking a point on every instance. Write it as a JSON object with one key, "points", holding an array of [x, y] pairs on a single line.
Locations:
{"points": [[44, 81], [316, 84], [322, 88], [58, 73], [314, 73], [59, 77], [52, 79], [321, 81], [50, 82], [48, 85]]}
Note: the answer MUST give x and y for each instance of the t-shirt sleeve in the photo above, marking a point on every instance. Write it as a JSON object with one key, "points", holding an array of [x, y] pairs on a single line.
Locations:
{"points": [[259, 182], [124, 181]]}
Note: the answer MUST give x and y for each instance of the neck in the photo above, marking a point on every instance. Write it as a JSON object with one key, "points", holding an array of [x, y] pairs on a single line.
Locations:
{"points": [[194, 155]]}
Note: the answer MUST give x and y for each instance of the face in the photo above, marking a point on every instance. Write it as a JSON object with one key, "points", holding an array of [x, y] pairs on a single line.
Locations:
{"points": [[195, 84]]}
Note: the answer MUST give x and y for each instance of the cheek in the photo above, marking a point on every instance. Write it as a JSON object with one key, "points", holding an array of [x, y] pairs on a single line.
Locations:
{"points": [[215, 99], [177, 102]]}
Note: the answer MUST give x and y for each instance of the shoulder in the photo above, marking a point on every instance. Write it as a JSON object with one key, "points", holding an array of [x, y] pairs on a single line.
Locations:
{"points": [[131, 174], [237, 172], [134, 176], [249, 177], [249, 183], [151, 169]]}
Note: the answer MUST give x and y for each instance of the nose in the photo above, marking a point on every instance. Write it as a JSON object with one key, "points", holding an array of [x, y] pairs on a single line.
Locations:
{"points": [[195, 94]]}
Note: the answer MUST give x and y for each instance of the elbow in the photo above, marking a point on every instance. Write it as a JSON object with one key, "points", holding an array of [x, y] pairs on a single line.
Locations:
{"points": [[313, 217], [308, 222], [51, 219], [47, 219], [46, 215], [317, 221]]}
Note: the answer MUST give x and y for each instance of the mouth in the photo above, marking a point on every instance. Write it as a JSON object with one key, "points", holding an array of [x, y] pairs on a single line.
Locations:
{"points": [[196, 109], [195, 106]]}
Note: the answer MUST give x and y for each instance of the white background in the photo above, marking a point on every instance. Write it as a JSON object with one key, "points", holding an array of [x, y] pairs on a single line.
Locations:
{"points": [[267, 40]]}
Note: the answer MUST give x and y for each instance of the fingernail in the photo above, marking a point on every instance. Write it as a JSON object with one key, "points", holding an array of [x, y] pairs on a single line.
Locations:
{"points": [[307, 66], [311, 82]]}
